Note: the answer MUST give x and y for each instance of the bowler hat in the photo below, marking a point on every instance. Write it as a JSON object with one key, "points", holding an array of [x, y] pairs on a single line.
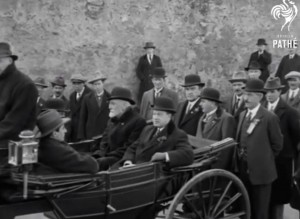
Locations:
{"points": [[59, 80], [261, 42], [6, 52], [99, 76], [158, 72], [253, 65], [78, 78], [292, 74], [40, 82], [149, 45], [164, 104], [56, 104], [211, 94], [273, 83], [255, 85], [191, 80], [239, 76], [48, 121], [121, 93]]}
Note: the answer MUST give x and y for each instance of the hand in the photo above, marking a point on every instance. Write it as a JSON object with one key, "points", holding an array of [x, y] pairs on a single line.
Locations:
{"points": [[158, 157]]}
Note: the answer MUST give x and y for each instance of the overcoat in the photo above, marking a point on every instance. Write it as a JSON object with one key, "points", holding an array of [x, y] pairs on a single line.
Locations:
{"points": [[295, 103], [264, 60], [229, 105]]}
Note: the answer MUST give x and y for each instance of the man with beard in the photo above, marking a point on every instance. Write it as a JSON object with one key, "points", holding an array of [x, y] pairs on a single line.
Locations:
{"points": [[189, 111], [58, 88], [123, 128], [18, 96]]}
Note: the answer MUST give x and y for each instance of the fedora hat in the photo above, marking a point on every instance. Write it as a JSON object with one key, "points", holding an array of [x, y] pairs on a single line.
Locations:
{"points": [[273, 83], [261, 42], [211, 94], [253, 65], [56, 104], [78, 78], [48, 121], [121, 93], [255, 85], [191, 80], [239, 76], [6, 52], [40, 82], [149, 45], [59, 80], [158, 72], [292, 74], [164, 104], [98, 76]]}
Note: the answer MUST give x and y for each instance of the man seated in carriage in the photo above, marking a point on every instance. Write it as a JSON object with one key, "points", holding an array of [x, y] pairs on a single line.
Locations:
{"points": [[123, 128], [162, 141]]}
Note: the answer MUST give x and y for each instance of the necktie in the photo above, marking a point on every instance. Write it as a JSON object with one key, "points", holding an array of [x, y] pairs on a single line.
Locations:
{"points": [[271, 108], [150, 59], [188, 108], [292, 95], [157, 94], [291, 56], [249, 116], [77, 96]]}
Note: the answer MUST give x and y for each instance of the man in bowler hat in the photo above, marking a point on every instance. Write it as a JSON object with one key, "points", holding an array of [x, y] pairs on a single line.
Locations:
{"points": [[189, 111], [263, 57], [123, 128], [290, 128], [259, 140], [18, 97], [146, 64], [158, 76], [76, 97], [162, 141]]}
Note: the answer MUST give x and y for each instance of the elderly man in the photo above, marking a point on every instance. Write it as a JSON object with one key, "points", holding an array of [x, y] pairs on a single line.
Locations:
{"points": [[263, 57], [76, 97], [158, 78], [146, 64], [260, 140], [40, 86], [290, 128], [235, 103], [54, 151], [292, 96], [254, 70], [189, 111], [58, 88], [94, 110], [161, 141], [18, 96], [123, 128]]}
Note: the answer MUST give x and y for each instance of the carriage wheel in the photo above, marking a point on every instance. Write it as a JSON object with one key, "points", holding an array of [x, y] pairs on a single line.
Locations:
{"points": [[212, 194]]}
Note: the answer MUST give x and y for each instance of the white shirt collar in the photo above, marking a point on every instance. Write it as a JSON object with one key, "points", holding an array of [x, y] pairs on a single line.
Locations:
{"points": [[253, 111], [158, 91], [293, 92], [211, 112], [273, 105], [81, 92], [291, 56], [98, 95], [192, 103]]}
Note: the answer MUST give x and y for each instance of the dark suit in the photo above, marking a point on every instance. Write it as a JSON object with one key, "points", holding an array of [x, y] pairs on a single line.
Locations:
{"points": [[188, 122], [257, 166], [143, 71], [62, 157], [229, 105], [287, 65], [264, 60], [119, 134], [290, 128], [93, 116], [294, 103], [40, 105], [75, 108], [170, 140], [148, 101]]}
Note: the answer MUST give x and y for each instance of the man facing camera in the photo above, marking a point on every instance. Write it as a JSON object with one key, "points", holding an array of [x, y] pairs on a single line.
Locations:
{"points": [[161, 141]]}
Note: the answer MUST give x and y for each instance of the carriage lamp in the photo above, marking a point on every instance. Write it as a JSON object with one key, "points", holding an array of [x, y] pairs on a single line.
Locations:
{"points": [[24, 151]]}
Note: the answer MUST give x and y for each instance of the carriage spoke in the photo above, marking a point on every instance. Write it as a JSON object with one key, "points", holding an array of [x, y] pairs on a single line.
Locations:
{"points": [[233, 199], [233, 216], [192, 207], [211, 195], [222, 197]]}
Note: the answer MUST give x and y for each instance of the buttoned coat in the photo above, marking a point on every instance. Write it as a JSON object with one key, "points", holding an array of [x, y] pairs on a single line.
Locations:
{"points": [[170, 140], [148, 101], [263, 144], [93, 116], [295, 103], [264, 60], [143, 72], [188, 122], [75, 109]]}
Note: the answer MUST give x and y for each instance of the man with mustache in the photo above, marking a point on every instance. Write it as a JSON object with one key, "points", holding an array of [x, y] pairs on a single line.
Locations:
{"points": [[58, 88]]}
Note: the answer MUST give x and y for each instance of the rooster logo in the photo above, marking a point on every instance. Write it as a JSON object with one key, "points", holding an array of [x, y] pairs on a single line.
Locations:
{"points": [[286, 10]]}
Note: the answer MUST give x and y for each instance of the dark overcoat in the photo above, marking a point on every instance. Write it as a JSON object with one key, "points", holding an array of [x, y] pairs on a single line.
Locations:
{"points": [[229, 104], [294, 103], [264, 60]]}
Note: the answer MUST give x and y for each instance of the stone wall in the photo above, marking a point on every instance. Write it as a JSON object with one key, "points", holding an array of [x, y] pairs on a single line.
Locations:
{"points": [[210, 37]]}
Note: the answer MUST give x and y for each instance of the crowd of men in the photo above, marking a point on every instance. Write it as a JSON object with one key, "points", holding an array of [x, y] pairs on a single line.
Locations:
{"points": [[262, 115]]}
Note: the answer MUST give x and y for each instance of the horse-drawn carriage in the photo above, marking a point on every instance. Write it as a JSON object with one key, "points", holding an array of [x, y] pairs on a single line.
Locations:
{"points": [[142, 191]]}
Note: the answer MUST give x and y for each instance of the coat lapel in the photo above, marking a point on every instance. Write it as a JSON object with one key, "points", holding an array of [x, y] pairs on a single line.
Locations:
{"points": [[241, 120], [180, 112], [195, 109], [280, 108], [213, 120]]}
